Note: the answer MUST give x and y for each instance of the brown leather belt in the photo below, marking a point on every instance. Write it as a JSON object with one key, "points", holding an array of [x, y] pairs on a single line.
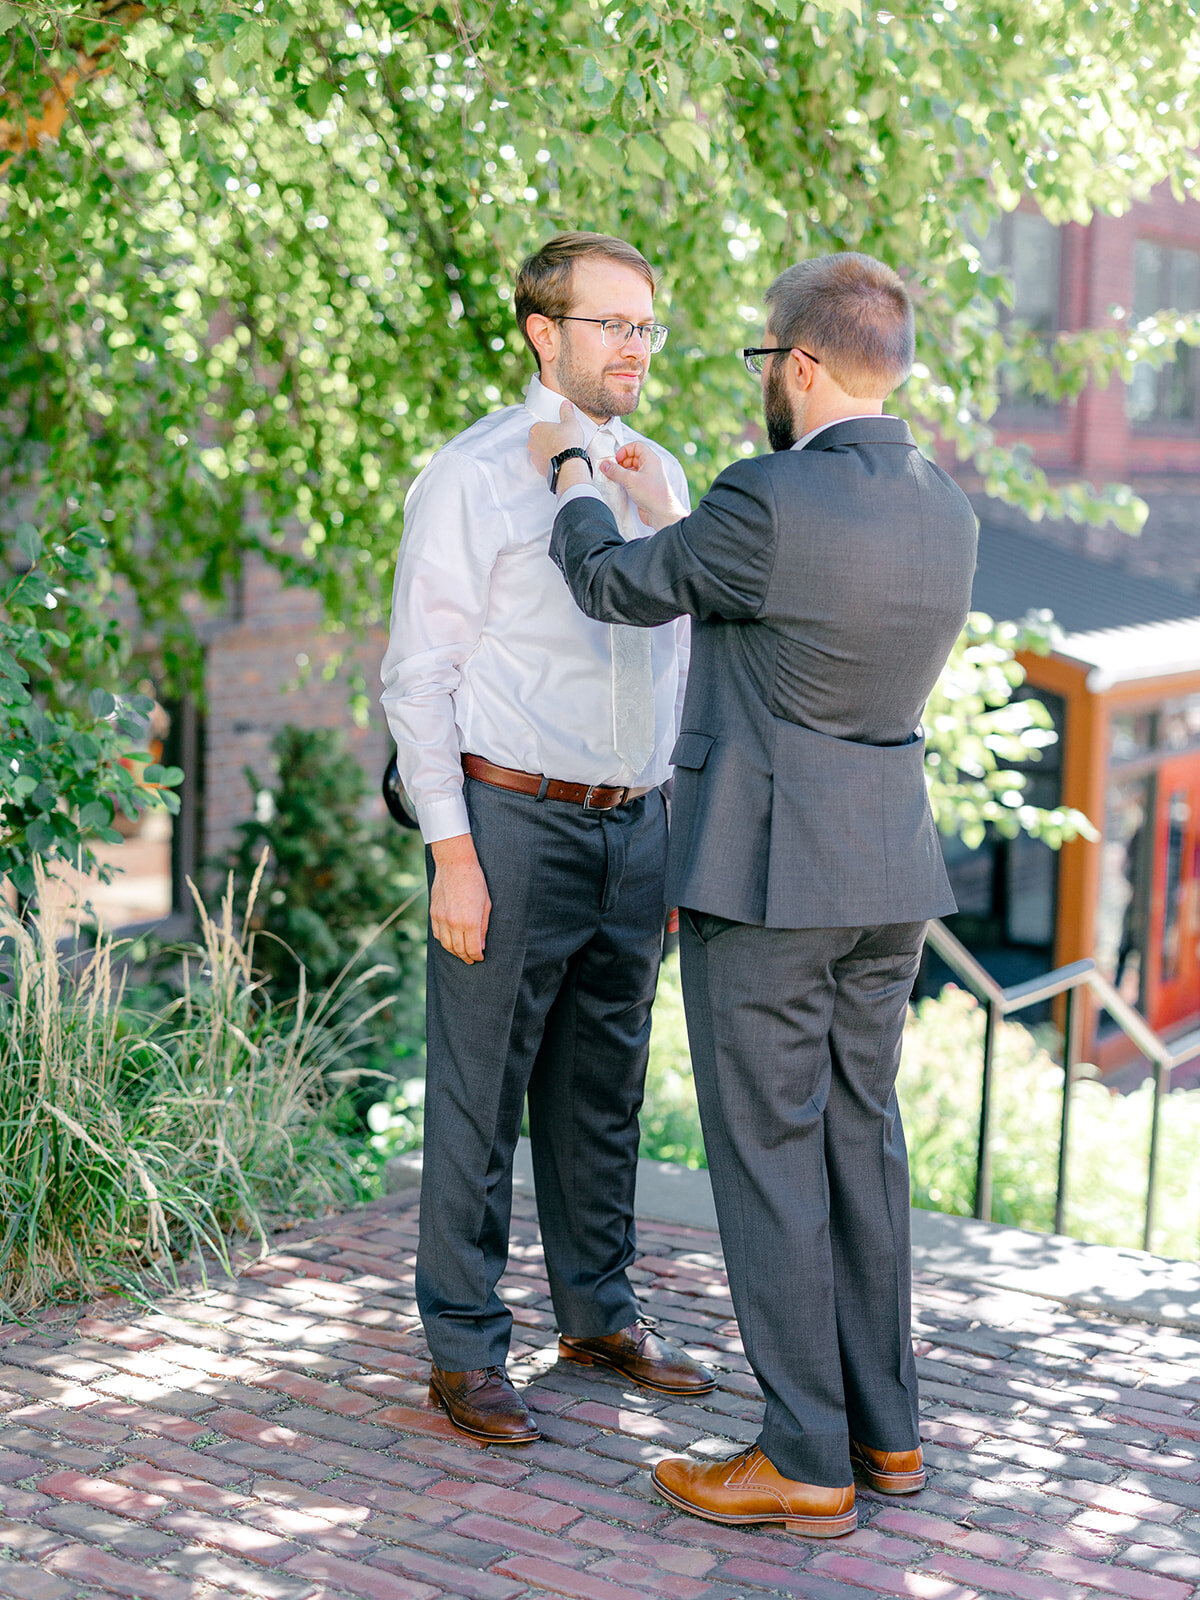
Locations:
{"points": [[592, 797]]}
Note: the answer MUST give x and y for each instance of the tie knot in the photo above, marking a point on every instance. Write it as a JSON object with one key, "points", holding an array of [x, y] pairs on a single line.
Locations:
{"points": [[603, 446]]}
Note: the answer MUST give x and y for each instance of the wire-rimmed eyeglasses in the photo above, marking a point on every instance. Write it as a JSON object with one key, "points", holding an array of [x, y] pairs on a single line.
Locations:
{"points": [[754, 359], [616, 332]]}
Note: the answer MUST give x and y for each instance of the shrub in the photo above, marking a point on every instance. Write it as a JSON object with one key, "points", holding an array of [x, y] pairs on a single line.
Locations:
{"points": [[338, 887], [940, 1080], [130, 1140]]}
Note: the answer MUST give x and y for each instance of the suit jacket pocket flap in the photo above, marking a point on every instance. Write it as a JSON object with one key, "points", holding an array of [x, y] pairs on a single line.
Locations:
{"points": [[691, 749]]}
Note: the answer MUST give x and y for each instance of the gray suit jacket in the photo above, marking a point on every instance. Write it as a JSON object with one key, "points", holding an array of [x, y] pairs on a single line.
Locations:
{"points": [[827, 587]]}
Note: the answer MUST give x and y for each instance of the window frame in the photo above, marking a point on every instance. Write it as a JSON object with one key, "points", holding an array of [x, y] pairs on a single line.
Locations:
{"points": [[1157, 424]]}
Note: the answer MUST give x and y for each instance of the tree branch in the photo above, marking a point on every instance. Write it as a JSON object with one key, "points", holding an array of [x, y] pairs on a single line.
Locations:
{"points": [[24, 134]]}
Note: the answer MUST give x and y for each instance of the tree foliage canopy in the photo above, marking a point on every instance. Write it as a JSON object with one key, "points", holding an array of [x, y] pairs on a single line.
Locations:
{"points": [[256, 258]]}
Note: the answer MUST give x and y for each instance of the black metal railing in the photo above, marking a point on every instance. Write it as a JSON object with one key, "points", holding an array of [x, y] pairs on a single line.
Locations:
{"points": [[999, 1003]]}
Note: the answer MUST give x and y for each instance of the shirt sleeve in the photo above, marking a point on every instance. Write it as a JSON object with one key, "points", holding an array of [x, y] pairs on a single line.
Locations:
{"points": [[715, 562], [683, 624], [453, 532]]}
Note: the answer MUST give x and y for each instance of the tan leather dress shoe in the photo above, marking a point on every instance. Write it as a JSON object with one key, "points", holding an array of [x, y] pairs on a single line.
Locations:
{"points": [[637, 1352], [889, 1471], [747, 1488], [484, 1405]]}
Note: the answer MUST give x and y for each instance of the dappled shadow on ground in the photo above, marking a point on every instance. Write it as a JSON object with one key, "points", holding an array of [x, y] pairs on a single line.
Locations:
{"points": [[271, 1438]]}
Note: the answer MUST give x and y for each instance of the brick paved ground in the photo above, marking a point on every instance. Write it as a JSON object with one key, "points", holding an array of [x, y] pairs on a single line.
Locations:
{"points": [[271, 1440]]}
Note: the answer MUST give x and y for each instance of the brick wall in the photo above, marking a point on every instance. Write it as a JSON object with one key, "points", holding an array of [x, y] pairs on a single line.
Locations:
{"points": [[1091, 438], [265, 670]]}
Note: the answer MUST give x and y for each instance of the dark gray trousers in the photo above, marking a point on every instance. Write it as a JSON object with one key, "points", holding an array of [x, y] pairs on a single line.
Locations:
{"points": [[558, 1008], [795, 1038]]}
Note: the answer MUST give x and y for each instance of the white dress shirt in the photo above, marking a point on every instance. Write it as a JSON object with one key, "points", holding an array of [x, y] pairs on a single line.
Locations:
{"points": [[488, 652]]}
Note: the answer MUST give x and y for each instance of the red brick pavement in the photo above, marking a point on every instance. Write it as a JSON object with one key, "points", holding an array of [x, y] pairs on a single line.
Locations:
{"points": [[270, 1439]]}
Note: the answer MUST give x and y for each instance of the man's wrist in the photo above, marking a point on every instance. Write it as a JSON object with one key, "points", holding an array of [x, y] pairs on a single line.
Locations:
{"points": [[572, 473], [459, 850]]}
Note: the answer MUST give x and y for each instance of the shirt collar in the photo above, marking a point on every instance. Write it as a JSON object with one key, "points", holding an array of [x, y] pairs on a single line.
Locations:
{"points": [[813, 432], [545, 404]]}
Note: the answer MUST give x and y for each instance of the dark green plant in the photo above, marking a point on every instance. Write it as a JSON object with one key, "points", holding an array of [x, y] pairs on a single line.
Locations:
{"points": [[332, 877]]}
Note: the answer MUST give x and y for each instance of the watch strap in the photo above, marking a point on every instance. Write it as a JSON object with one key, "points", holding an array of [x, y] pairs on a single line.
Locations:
{"points": [[556, 464]]}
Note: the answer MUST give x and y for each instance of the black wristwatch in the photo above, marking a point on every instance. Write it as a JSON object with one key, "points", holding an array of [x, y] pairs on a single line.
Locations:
{"points": [[566, 455]]}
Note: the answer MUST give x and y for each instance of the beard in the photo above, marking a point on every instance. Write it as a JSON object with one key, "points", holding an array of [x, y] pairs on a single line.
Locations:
{"points": [[777, 412], [590, 392]]}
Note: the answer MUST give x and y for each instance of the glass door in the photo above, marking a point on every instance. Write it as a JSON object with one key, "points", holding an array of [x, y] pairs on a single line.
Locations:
{"points": [[1174, 993]]}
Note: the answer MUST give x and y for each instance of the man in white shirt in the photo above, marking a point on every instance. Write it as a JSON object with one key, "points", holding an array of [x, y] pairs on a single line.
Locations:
{"points": [[532, 742]]}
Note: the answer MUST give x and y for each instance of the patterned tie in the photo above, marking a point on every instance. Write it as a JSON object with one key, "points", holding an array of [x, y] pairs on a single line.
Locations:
{"points": [[632, 678]]}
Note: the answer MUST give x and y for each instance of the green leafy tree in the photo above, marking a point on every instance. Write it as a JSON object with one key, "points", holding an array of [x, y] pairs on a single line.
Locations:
{"points": [[255, 258], [70, 758]]}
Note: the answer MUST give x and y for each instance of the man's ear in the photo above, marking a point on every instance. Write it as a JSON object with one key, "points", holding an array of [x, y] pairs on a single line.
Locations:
{"points": [[544, 335], [803, 370]]}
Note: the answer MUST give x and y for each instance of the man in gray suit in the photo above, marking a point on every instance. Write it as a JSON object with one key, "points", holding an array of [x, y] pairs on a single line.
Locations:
{"points": [[827, 581]]}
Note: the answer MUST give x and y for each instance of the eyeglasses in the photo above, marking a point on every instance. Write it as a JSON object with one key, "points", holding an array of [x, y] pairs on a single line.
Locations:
{"points": [[616, 332], [754, 359]]}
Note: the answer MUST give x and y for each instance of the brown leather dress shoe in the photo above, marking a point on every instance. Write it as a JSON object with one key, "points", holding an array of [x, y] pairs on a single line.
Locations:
{"points": [[637, 1352], [747, 1488], [484, 1405], [889, 1471]]}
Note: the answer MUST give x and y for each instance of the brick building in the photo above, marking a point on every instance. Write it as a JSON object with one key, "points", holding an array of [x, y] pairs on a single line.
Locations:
{"points": [[1124, 683]]}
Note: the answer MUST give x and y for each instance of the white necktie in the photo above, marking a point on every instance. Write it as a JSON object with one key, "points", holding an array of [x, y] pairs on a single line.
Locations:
{"points": [[632, 677]]}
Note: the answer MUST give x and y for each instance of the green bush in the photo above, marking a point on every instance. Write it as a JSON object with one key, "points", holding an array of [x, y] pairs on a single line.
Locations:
{"points": [[939, 1095], [132, 1139], [338, 887]]}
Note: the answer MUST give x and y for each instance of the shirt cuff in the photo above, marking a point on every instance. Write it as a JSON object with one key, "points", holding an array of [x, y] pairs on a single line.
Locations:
{"points": [[443, 817], [580, 491]]}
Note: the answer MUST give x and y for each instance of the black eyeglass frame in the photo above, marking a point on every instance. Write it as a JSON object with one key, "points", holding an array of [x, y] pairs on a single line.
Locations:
{"points": [[648, 337], [774, 350]]}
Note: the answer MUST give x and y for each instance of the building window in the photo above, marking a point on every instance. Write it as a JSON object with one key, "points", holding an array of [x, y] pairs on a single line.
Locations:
{"points": [[1025, 248], [1164, 279]]}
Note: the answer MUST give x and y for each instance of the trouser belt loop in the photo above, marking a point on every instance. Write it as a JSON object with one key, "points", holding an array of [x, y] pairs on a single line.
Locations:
{"points": [[543, 787]]}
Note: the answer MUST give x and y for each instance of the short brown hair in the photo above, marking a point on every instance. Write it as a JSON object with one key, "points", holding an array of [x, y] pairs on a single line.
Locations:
{"points": [[543, 285], [853, 312]]}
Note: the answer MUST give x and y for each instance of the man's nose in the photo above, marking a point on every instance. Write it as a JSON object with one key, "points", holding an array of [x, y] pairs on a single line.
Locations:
{"points": [[642, 338]]}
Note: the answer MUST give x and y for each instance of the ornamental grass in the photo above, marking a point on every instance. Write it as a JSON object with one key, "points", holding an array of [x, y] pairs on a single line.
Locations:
{"points": [[133, 1140]]}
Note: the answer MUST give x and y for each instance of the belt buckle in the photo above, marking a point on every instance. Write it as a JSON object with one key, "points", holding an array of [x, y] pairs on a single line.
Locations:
{"points": [[587, 799]]}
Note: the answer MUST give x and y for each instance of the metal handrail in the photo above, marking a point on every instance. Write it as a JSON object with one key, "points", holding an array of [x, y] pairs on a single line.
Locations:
{"points": [[999, 1003]]}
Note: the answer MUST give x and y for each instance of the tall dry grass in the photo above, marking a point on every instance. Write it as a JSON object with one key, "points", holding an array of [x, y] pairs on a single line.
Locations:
{"points": [[132, 1140]]}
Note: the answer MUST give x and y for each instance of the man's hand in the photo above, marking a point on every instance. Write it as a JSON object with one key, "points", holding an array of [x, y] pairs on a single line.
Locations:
{"points": [[549, 439], [640, 473], [459, 903]]}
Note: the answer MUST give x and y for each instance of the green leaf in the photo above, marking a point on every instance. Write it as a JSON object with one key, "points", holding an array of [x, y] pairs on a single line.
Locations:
{"points": [[102, 703], [167, 777], [647, 155], [317, 97], [681, 145], [29, 542], [96, 814]]}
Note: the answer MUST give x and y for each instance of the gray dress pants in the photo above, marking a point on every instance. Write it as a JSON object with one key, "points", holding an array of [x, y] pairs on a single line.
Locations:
{"points": [[558, 1009], [795, 1038]]}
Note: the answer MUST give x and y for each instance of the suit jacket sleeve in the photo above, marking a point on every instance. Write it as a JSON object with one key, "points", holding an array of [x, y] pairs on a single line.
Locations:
{"points": [[716, 562]]}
